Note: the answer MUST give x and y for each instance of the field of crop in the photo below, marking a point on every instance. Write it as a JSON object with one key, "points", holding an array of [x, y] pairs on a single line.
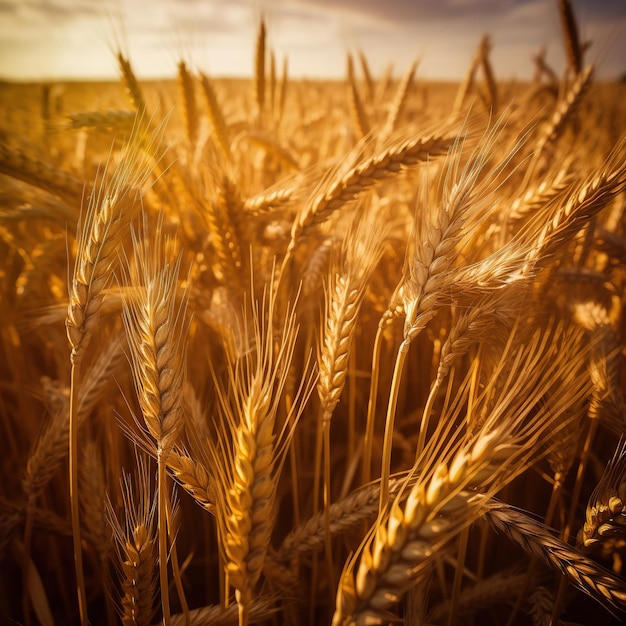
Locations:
{"points": [[288, 352]]}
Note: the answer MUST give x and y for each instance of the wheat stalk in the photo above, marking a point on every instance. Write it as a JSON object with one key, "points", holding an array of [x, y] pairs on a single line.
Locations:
{"points": [[259, 70], [250, 450], [455, 481], [405, 541], [362, 177], [133, 89], [107, 214], [570, 36], [155, 325], [501, 587], [536, 539], [357, 110], [400, 100], [121, 122], [136, 540], [426, 274], [216, 118], [39, 173], [362, 251], [565, 109]]}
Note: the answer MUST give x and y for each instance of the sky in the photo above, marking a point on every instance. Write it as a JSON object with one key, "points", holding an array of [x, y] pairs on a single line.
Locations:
{"points": [[78, 39]]}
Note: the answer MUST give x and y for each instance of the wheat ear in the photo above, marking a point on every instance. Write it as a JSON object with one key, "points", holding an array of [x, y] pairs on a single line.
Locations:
{"points": [[540, 197], [570, 36], [357, 110], [225, 236], [361, 252], [542, 68], [358, 507], [399, 101], [606, 509], [272, 85], [136, 540], [466, 84], [362, 177], [34, 171], [216, 117], [367, 75], [579, 204], [282, 94], [52, 446], [120, 122], [250, 449], [194, 477], [269, 199], [470, 329], [109, 212], [261, 610], [492, 87], [259, 70], [133, 89], [536, 539], [564, 111], [403, 543], [156, 328], [187, 94]]}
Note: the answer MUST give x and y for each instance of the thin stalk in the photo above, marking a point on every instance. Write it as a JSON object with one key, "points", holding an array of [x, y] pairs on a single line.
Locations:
{"points": [[582, 466], [178, 581], [480, 560], [327, 533], [458, 576], [371, 405], [317, 471], [385, 469], [532, 566], [421, 440], [243, 613], [293, 466], [163, 506], [554, 498], [74, 504], [28, 536], [352, 405]]}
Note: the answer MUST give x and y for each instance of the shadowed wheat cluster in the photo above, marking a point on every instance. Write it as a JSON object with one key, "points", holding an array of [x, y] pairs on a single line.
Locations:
{"points": [[314, 353]]}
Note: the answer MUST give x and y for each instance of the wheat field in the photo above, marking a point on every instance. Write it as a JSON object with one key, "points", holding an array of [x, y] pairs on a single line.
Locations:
{"points": [[296, 352]]}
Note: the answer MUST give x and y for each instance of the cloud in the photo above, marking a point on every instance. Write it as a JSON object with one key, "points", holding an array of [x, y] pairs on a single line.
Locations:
{"points": [[403, 11], [55, 10], [313, 34]]}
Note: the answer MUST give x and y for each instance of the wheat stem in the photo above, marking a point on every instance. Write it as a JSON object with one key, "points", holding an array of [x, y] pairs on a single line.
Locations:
{"points": [[74, 495], [385, 468]]}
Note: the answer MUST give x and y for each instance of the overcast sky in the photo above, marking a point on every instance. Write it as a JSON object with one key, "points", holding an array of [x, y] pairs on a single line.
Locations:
{"points": [[52, 39]]}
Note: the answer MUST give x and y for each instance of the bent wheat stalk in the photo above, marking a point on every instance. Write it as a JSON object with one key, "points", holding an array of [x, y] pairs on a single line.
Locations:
{"points": [[359, 179], [459, 473], [156, 328], [536, 539]]}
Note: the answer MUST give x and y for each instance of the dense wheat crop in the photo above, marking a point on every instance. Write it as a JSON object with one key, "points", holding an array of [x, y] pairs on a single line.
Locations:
{"points": [[289, 352]]}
